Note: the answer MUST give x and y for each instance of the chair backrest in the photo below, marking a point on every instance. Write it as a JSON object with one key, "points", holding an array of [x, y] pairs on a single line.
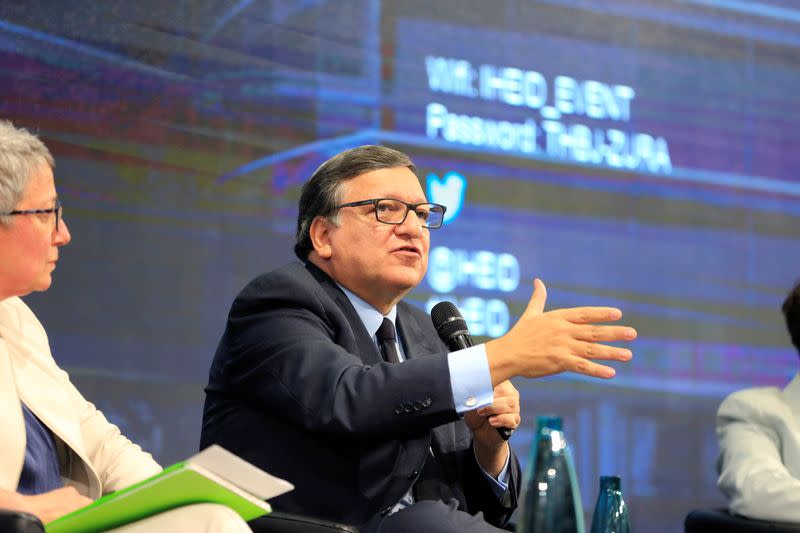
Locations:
{"points": [[721, 521], [19, 522]]}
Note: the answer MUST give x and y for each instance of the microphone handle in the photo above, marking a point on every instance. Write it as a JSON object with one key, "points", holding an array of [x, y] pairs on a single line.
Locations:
{"points": [[459, 341]]}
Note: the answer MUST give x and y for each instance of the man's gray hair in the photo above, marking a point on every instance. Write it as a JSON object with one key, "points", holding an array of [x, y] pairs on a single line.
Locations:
{"points": [[21, 154], [322, 192]]}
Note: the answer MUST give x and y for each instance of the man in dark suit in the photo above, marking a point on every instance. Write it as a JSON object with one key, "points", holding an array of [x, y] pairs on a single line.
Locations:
{"points": [[306, 382]]}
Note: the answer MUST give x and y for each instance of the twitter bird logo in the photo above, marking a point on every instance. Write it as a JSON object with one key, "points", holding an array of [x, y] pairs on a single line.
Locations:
{"points": [[448, 191]]}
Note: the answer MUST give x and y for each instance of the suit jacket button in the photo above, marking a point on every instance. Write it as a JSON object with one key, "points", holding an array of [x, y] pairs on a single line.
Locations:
{"points": [[418, 406], [398, 411], [408, 407], [413, 474], [426, 402]]}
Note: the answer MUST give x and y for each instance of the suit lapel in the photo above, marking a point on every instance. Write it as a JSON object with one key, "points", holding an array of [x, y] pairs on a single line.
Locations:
{"points": [[415, 342], [366, 348]]}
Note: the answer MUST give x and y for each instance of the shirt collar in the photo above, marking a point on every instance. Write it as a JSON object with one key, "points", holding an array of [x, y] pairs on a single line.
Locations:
{"points": [[370, 317]]}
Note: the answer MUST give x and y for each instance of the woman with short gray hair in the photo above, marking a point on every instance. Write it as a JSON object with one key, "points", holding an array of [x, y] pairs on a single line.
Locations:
{"points": [[58, 452]]}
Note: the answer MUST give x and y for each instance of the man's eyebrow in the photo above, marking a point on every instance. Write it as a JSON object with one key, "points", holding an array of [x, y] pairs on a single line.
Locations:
{"points": [[417, 200]]}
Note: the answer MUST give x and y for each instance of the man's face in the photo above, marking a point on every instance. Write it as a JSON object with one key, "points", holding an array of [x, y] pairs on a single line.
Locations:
{"points": [[29, 245], [378, 262]]}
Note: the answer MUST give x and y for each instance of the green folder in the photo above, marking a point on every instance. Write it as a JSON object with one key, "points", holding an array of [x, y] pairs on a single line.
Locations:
{"points": [[212, 476]]}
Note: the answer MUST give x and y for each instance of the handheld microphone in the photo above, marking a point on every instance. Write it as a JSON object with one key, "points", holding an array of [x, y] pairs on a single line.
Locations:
{"points": [[452, 329]]}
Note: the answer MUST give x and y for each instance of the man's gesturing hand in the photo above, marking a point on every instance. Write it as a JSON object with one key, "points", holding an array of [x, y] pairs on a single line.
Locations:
{"points": [[564, 340]]}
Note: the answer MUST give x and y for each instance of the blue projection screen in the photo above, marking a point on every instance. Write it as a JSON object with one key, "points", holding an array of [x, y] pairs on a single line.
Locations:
{"points": [[640, 154]]}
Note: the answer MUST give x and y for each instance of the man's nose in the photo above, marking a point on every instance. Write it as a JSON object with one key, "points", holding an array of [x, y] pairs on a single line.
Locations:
{"points": [[62, 236], [411, 225]]}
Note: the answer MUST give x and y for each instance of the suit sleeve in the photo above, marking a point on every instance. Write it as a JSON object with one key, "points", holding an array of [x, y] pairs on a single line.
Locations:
{"points": [[751, 471], [284, 347], [481, 496]]}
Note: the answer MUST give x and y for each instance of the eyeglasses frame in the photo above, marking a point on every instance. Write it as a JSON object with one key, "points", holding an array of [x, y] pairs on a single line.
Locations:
{"points": [[56, 209], [409, 207]]}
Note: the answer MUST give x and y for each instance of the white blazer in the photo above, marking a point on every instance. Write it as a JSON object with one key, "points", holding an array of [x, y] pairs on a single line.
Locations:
{"points": [[94, 457], [759, 462]]}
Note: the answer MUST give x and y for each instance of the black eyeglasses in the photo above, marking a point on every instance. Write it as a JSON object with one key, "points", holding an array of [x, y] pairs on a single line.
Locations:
{"points": [[394, 211], [56, 209]]}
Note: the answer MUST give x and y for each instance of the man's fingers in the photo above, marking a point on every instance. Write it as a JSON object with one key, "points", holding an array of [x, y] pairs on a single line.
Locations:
{"points": [[508, 420], [599, 351], [580, 365], [588, 315], [593, 333], [500, 406]]}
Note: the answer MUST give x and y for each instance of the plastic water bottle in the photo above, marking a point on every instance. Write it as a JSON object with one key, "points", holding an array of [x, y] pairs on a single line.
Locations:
{"points": [[551, 501]]}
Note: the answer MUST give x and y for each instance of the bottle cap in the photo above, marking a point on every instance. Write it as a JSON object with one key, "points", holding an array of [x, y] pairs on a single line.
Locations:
{"points": [[548, 421], [609, 483]]}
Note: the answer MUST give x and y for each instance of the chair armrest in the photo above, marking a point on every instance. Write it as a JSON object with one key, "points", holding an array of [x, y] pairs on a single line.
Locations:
{"points": [[19, 522], [278, 522], [720, 520]]}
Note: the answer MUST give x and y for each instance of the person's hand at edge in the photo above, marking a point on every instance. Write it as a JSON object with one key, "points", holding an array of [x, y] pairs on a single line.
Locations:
{"points": [[46, 506]]}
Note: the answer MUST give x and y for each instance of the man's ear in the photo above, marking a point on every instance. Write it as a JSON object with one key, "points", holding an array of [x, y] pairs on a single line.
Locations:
{"points": [[320, 233]]}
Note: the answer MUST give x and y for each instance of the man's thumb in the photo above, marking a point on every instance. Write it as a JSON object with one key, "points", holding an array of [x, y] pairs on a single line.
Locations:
{"points": [[538, 298]]}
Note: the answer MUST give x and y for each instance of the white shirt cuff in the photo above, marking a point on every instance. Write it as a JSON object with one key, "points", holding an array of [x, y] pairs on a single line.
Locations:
{"points": [[470, 379]]}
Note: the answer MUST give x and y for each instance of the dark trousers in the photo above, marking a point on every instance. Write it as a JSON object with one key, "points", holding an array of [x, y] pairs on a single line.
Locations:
{"points": [[430, 515]]}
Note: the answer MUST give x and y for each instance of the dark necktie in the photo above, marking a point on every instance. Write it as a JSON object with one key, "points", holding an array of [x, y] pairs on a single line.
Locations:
{"points": [[387, 338]]}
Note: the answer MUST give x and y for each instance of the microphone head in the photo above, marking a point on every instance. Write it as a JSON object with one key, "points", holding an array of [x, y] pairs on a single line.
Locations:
{"points": [[448, 320]]}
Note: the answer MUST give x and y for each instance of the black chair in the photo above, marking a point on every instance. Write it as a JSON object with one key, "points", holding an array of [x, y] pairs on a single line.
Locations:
{"points": [[19, 522], [721, 521], [278, 522]]}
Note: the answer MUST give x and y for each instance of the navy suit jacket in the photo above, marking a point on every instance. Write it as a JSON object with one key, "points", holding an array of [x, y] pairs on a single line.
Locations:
{"points": [[298, 388]]}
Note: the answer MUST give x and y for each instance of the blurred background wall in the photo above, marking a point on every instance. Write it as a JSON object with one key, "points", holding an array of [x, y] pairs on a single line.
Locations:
{"points": [[637, 153]]}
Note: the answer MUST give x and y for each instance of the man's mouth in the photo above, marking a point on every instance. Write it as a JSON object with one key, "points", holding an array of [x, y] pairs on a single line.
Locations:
{"points": [[409, 249]]}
